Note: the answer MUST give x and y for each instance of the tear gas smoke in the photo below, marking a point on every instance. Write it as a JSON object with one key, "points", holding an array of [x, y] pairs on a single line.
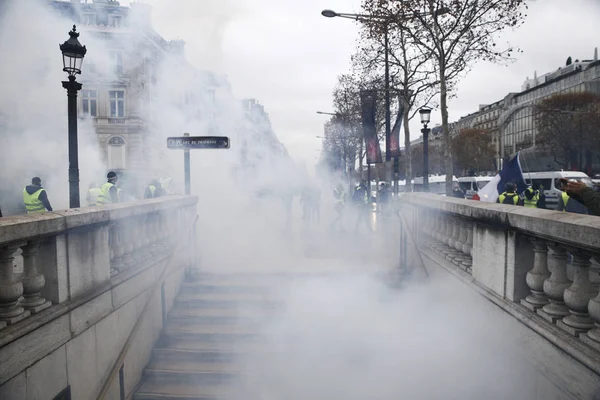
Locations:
{"points": [[352, 337]]}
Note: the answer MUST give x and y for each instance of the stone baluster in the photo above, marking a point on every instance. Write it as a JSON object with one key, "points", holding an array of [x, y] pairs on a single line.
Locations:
{"points": [[595, 272], [537, 275], [33, 279], [554, 287], [128, 233], [467, 248], [592, 337], [118, 246], [111, 248], [453, 231], [11, 289], [578, 295], [438, 232], [440, 227], [460, 241], [462, 235], [149, 235], [140, 237]]}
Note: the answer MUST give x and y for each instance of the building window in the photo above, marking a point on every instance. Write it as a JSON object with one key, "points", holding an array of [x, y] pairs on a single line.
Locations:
{"points": [[88, 19], [117, 103], [115, 20], [116, 153], [88, 102], [116, 60]]}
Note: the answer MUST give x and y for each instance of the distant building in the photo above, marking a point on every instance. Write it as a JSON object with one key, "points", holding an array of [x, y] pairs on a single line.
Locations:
{"points": [[511, 120], [136, 77]]}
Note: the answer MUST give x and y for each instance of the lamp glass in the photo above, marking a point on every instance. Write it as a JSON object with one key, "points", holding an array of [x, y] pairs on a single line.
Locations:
{"points": [[329, 13], [425, 115]]}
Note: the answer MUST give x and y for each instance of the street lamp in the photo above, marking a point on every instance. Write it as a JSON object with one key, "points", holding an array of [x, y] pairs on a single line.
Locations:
{"points": [[73, 53], [425, 114], [388, 124]]}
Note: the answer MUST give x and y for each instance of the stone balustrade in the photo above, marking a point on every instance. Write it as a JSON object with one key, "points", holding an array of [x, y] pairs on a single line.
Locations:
{"points": [[47, 259], [543, 265]]}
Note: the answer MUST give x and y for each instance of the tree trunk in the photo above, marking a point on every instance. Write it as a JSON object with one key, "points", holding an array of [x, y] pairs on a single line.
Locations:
{"points": [[360, 159], [407, 153], [446, 131]]}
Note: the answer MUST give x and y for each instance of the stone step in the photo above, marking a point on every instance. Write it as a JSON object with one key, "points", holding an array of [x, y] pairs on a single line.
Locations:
{"points": [[195, 344], [210, 332], [223, 315], [155, 390], [224, 300], [226, 287], [206, 355], [206, 373]]}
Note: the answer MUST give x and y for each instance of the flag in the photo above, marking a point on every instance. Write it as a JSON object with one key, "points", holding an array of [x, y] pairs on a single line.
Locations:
{"points": [[395, 134], [368, 100], [511, 172]]}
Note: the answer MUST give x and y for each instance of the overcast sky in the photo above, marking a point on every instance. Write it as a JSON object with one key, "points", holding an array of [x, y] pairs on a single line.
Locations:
{"points": [[286, 55]]}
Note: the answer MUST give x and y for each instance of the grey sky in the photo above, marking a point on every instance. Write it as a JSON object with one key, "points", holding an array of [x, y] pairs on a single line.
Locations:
{"points": [[285, 54]]}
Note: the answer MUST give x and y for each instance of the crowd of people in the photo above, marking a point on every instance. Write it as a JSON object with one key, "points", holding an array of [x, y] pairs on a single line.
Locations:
{"points": [[36, 199], [576, 197]]}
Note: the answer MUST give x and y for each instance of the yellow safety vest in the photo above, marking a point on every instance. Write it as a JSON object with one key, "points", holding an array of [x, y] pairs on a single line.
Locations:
{"points": [[33, 204], [514, 197], [104, 197], [533, 203], [152, 190], [93, 195], [565, 199]]}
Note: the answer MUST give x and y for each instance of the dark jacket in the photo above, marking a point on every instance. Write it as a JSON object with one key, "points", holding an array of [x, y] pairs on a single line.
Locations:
{"points": [[591, 199], [31, 189]]}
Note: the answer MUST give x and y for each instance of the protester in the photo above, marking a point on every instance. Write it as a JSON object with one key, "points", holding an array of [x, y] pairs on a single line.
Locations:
{"points": [[583, 194]]}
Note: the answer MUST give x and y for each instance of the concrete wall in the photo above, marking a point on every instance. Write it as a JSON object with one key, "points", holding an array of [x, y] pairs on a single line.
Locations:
{"points": [[77, 340]]}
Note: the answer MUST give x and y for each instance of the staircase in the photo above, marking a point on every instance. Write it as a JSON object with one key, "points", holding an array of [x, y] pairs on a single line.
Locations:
{"points": [[214, 324]]}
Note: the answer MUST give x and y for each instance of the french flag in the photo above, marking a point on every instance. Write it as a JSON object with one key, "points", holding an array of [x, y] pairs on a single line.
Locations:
{"points": [[511, 172]]}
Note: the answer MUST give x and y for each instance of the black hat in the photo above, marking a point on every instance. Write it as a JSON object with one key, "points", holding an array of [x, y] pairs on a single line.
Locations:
{"points": [[510, 187], [111, 175]]}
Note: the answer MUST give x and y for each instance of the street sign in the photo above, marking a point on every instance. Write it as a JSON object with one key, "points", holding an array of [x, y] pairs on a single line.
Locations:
{"points": [[198, 142]]}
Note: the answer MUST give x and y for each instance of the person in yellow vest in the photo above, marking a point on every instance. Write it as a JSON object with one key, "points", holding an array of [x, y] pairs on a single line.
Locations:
{"points": [[510, 196], [532, 198], [36, 198], [153, 190], [108, 191], [93, 194]]}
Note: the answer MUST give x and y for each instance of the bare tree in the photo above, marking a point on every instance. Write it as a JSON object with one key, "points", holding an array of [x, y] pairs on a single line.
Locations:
{"points": [[455, 35], [568, 126], [410, 70]]}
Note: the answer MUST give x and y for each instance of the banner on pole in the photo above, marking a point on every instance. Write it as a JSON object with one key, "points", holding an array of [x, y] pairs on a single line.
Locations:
{"points": [[395, 134], [368, 101]]}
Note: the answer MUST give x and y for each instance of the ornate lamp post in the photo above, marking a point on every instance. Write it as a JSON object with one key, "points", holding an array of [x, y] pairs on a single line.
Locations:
{"points": [[73, 53], [425, 113]]}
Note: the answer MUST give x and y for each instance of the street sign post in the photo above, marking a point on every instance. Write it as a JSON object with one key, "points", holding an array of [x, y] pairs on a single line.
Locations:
{"points": [[187, 142]]}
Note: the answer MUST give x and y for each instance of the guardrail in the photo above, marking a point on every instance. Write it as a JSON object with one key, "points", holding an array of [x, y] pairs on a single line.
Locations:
{"points": [[51, 258], [542, 265]]}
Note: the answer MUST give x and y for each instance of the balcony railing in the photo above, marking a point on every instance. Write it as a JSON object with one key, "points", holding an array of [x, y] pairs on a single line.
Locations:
{"points": [[539, 264], [50, 258]]}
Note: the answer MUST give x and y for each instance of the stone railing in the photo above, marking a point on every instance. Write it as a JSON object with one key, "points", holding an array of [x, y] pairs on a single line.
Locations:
{"points": [[48, 259], [542, 266]]}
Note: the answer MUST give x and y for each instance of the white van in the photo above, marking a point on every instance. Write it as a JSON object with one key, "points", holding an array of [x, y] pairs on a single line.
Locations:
{"points": [[437, 184], [551, 183], [472, 184]]}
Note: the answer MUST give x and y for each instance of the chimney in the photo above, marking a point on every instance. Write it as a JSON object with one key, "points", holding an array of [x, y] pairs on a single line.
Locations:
{"points": [[596, 54]]}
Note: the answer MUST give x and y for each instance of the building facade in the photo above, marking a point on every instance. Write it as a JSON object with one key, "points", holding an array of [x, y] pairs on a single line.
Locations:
{"points": [[512, 120], [139, 88]]}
